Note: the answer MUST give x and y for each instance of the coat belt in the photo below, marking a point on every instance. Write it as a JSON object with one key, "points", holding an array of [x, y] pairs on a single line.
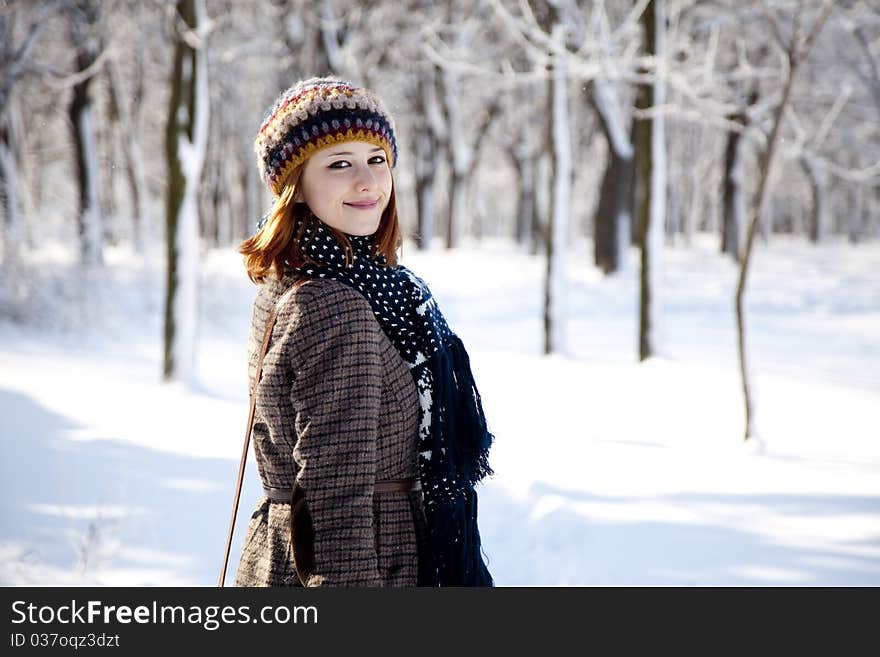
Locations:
{"points": [[389, 486]]}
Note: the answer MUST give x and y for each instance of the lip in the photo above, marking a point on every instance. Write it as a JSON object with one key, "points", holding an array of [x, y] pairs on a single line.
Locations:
{"points": [[363, 205]]}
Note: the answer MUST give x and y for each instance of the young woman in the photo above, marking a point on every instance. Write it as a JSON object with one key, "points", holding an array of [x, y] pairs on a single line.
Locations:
{"points": [[369, 432]]}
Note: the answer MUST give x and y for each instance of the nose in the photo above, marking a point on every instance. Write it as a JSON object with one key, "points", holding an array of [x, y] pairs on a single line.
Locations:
{"points": [[365, 180]]}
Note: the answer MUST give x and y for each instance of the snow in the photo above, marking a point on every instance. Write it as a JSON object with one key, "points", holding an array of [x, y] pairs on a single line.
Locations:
{"points": [[608, 471]]}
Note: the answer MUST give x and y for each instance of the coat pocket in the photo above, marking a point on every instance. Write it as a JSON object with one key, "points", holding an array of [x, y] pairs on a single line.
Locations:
{"points": [[302, 536]]}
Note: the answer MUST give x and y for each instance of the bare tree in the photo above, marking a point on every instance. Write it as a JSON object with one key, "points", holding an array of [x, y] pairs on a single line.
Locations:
{"points": [[653, 211], [611, 223], [795, 50], [733, 195], [524, 148], [463, 156], [431, 145], [185, 145], [126, 110], [14, 60], [464, 138], [84, 21], [559, 214]]}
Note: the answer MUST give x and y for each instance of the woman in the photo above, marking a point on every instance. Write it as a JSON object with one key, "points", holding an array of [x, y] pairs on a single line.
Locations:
{"points": [[369, 431]]}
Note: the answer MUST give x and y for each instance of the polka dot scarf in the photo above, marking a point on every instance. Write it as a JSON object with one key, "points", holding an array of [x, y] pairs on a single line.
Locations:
{"points": [[453, 438]]}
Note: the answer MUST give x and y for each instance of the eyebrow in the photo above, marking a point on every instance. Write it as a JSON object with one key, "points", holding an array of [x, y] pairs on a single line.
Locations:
{"points": [[349, 152]]}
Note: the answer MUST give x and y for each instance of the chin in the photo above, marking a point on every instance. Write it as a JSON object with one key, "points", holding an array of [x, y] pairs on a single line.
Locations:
{"points": [[360, 232], [364, 230]]}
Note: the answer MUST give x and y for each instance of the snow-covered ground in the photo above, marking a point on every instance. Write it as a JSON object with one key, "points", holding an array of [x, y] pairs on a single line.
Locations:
{"points": [[607, 471]]}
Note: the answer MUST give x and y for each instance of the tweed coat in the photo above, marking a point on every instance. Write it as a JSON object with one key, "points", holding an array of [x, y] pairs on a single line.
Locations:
{"points": [[336, 411]]}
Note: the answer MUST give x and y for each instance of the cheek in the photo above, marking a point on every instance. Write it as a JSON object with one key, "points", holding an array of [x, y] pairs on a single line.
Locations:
{"points": [[387, 181], [325, 192]]}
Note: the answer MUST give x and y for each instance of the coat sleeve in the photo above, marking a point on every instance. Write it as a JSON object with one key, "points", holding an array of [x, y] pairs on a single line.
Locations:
{"points": [[335, 394]]}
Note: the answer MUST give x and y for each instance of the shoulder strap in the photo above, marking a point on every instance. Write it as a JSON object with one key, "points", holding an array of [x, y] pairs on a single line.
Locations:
{"points": [[270, 324]]}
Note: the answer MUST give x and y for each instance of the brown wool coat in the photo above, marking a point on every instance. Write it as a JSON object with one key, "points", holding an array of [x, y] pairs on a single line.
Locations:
{"points": [[336, 411]]}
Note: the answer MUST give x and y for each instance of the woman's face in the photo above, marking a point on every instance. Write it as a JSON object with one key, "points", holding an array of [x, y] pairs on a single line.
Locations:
{"points": [[347, 186]]}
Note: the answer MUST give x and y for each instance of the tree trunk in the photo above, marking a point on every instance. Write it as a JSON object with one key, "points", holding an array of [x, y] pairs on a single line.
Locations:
{"points": [[462, 156], [857, 222], [640, 183], [695, 204], [540, 202], [430, 149], [796, 53], [89, 219], [109, 137], [555, 297], [611, 222], [425, 151], [820, 209], [134, 173], [482, 129], [456, 214], [23, 168], [9, 196], [185, 144], [129, 141], [733, 205], [458, 159], [653, 211], [524, 165], [80, 110]]}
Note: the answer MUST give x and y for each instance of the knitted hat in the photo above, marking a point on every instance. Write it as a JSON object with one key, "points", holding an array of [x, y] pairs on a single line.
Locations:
{"points": [[314, 114]]}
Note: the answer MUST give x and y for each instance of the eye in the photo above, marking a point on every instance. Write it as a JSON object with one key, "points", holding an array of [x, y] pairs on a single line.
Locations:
{"points": [[376, 159]]}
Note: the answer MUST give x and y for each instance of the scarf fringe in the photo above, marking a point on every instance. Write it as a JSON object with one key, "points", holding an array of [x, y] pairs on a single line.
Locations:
{"points": [[459, 427], [457, 558]]}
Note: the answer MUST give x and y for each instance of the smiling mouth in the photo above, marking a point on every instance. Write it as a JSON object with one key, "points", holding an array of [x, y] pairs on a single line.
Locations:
{"points": [[363, 206]]}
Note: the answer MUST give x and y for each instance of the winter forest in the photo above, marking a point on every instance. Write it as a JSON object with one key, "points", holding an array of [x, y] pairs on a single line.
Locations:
{"points": [[655, 223]]}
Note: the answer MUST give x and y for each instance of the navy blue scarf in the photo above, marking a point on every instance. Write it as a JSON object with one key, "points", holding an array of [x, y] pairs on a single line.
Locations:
{"points": [[454, 439]]}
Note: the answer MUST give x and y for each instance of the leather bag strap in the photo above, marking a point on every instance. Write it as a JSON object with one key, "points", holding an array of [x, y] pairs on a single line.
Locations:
{"points": [[267, 335]]}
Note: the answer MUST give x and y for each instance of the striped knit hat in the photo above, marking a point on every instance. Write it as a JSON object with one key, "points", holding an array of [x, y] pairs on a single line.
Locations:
{"points": [[314, 114]]}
